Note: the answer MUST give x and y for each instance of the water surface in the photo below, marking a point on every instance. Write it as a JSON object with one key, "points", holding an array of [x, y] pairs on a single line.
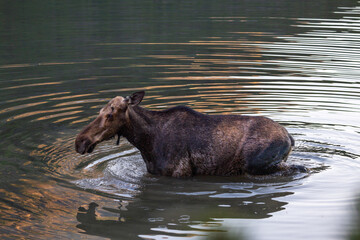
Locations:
{"points": [[292, 61]]}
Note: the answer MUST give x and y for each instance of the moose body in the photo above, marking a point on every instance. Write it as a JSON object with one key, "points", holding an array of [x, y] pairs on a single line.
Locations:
{"points": [[181, 142]]}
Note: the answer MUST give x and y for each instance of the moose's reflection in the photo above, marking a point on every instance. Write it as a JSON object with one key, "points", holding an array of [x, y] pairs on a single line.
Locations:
{"points": [[87, 215], [154, 211]]}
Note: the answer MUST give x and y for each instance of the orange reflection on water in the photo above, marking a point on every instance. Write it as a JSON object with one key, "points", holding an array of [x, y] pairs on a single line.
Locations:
{"points": [[32, 85], [88, 79], [94, 100], [247, 55], [74, 96], [57, 115], [208, 71], [17, 65], [38, 96], [42, 202], [158, 65], [61, 63], [192, 43], [82, 120], [257, 34], [65, 119], [154, 87], [169, 104], [223, 61], [29, 79], [18, 107], [197, 78], [24, 65], [28, 114], [217, 86], [59, 154], [177, 57]]}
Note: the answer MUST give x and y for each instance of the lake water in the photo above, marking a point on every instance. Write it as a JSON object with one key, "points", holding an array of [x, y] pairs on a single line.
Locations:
{"points": [[296, 62]]}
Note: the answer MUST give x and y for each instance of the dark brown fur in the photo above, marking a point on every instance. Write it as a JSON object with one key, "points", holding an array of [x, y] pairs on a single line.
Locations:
{"points": [[181, 142]]}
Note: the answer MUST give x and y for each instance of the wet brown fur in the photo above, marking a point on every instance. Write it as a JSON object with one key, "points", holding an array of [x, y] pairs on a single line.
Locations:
{"points": [[181, 142]]}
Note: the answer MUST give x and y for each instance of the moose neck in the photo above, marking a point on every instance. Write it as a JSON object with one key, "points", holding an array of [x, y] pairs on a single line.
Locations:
{"points": [[139, 127]]}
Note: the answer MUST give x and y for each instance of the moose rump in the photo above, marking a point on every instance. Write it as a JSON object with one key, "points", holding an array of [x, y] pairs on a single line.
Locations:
{"points": [[182, 142]]}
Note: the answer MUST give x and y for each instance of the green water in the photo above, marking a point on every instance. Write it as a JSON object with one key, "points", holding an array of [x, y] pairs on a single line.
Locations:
{"points": [[296, 62]]}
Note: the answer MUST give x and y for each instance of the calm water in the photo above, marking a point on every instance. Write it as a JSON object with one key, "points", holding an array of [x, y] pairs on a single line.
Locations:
{"points": [[296, 62]]}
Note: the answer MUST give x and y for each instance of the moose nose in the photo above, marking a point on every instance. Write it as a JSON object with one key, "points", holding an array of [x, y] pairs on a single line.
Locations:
{"points": [[81, 145]]}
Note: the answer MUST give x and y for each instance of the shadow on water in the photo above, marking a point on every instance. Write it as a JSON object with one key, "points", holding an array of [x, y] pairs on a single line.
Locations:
{"points": [[155, 212]]}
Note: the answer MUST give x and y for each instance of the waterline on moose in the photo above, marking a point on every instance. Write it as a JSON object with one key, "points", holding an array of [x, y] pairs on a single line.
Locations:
{"points": [[181, 142]]}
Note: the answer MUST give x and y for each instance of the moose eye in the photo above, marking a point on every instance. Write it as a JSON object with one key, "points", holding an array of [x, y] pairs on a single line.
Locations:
{"points": [[109, 116]]}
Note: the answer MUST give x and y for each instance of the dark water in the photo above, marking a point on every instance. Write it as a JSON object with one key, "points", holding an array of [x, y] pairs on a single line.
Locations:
{"points": [[296, 62]]}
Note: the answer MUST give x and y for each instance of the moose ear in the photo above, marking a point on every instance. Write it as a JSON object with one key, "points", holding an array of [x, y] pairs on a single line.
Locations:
{"points": [[136, 98]]}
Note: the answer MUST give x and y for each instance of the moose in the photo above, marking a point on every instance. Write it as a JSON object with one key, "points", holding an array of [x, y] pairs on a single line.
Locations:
{"points": [[181, 142]]}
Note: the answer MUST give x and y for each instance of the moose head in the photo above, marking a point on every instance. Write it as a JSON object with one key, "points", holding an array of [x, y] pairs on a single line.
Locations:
{"points": [[109, 123]]}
